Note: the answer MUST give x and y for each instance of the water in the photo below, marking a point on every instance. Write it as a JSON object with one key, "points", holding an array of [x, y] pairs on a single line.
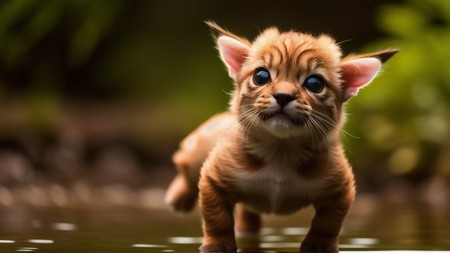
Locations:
{"points": [[370, 226]]}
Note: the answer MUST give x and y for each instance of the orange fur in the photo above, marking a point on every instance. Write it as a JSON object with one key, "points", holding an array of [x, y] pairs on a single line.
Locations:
{"points": [[277, 150]]}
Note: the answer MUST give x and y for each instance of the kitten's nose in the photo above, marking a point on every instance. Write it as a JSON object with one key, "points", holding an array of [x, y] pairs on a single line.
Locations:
{"points": [[283, 98]]}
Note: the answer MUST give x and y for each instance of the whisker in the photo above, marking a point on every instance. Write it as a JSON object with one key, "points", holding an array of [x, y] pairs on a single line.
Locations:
{"points": [[248, 118], [344, 134], [313, 135], [323, 132], [344, 41], [229, 93]]}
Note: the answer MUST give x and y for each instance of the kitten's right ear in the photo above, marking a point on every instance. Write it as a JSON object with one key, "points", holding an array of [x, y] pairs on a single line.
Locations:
{"points": [[233, 49]]}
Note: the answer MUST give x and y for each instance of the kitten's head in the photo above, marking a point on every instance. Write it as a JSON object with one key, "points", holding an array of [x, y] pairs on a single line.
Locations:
{"points": [[291, 84]]}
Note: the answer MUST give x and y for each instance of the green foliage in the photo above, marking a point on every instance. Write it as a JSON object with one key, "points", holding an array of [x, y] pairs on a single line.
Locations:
{"points": [[126, 52], [25, 23], [405, 114]]}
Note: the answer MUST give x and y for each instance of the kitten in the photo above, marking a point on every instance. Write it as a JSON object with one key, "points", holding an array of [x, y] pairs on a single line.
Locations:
{"points": [[277, 149]]}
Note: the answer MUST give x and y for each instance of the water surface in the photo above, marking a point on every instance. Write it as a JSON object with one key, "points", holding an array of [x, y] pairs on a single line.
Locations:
{"points": [[369, 227]]}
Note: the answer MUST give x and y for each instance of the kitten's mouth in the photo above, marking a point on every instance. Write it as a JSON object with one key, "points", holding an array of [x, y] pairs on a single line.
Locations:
{"points": [[298, 119]]}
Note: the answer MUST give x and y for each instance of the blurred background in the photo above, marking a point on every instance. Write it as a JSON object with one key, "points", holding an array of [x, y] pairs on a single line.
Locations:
{"points": [[96, 95]]}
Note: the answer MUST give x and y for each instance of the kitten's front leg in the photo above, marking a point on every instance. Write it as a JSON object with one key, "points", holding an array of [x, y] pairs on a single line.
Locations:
{"points": [[218, 222], [326, 224]]}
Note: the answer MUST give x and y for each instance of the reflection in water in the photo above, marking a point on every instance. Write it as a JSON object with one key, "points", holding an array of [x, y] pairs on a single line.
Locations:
{"points": [[369, 227], [185, 240], [143, 245], [363, 241], [40, 241], [64, 226], [26, 249], [294, 231]]}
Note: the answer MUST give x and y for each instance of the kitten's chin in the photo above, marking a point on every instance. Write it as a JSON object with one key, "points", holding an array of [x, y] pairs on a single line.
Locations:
{"points": [[283, 126]]}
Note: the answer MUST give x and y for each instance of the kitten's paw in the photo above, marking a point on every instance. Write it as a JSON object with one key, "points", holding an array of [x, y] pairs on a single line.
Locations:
{"points": [[181, 196], [218, 248], [319, 248]]}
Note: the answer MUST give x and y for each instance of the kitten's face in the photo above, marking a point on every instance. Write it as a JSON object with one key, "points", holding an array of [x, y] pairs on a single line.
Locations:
{"points": [[289, 85], [293, 84]]}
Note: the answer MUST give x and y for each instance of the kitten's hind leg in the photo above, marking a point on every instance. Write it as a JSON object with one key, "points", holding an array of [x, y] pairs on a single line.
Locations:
{"points": [[246, 222], [247, 226], [182, 193]]}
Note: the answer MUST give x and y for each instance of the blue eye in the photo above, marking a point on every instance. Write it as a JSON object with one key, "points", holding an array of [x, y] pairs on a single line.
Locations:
{"points": [[314, 83], [261, 76]]}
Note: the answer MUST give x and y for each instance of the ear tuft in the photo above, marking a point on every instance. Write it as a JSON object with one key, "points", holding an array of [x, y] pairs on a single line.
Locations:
{"points": [[215, 28], [384, 55]]}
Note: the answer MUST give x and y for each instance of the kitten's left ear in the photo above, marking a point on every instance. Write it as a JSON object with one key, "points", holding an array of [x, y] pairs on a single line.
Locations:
{"points": [[233, 49], [359, 71]]}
